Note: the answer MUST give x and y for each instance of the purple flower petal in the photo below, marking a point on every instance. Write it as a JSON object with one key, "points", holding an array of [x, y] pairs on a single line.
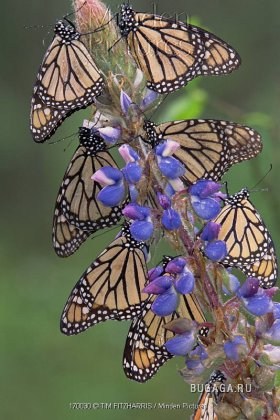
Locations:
{"points": [[134, 194], [276, 310], [171, 219], [216, 250], [125, 101], [136, 212], [107, 176], [159, 286], [155, 272], [112, 195], [133, 173], [110, 134], [180, 345], [274, 332], [204, 188], [141, 230], [166, 303], [249, 288], [210, 231], [167, 148], [164, 201], [185, 283], [171, 167], [128, 154], [259, 304], [176, 266], [207, 208], [149, 98], [232, 348]]}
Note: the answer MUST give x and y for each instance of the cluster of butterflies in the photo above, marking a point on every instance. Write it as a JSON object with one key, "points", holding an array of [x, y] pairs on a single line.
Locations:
{"points": [[170, 54]]}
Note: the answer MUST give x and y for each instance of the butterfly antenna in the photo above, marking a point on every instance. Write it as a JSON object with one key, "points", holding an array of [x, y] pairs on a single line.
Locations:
{"points": [[68, 145], [64, 138], [115, 43], [159, 105], [268, 172], [226, 187], [107, 231], [74, 12]]}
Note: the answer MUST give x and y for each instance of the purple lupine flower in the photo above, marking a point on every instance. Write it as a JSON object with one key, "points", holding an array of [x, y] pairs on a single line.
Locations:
{"points": [[128, 154], [249, 288], [125, 101], [207, 208], [204, 188], [136, 212], [166, 303], [210, 232], [234, 348], [167, 148], [176, 266], [216, 250], [150, 97], [110, 134], [258, 304], [185, 283], [164, 201], [133, 192], [133, 173], [155, 272], [142, 230], [181, 344], [114, 192], [171, 167], [233, 284], [171, 219], [159, 286], [273, 353], [273, 333], [203, 198], [107, 176]]}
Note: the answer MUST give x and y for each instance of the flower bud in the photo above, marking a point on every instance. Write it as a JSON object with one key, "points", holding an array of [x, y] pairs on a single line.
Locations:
{"points": [[125, 101], [185, 283], [207, 208], [176, 266], [128, 154], [110, 134], [233, 349], [108, 176], [159, 286], [171, 219], [210, 231], [171, 167]]}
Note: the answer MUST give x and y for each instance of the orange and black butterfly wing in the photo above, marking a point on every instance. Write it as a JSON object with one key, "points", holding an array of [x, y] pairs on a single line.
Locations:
{"points": [[44, 120], [266, 269], [78, 199], [66, 237], [68, 78], [220, 57], [169, 56], [144, 351], [210, 147], [111, 288]]}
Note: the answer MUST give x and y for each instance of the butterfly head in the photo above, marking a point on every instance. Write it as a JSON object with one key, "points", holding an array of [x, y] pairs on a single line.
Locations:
{"points": [[153, 138], [244, 194], [66, 32], [91, 141], [127, 19]]}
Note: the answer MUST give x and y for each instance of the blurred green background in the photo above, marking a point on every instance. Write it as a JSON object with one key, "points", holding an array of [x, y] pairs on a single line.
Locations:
{"points": [[42, 371]]}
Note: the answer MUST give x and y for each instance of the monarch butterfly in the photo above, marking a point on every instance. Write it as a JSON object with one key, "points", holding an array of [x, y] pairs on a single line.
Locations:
{"points": [[172, 53], [111, 288], [208, 147], [210, 397], [77, 202], [249, 244], [67, 81], [144, 351]]}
